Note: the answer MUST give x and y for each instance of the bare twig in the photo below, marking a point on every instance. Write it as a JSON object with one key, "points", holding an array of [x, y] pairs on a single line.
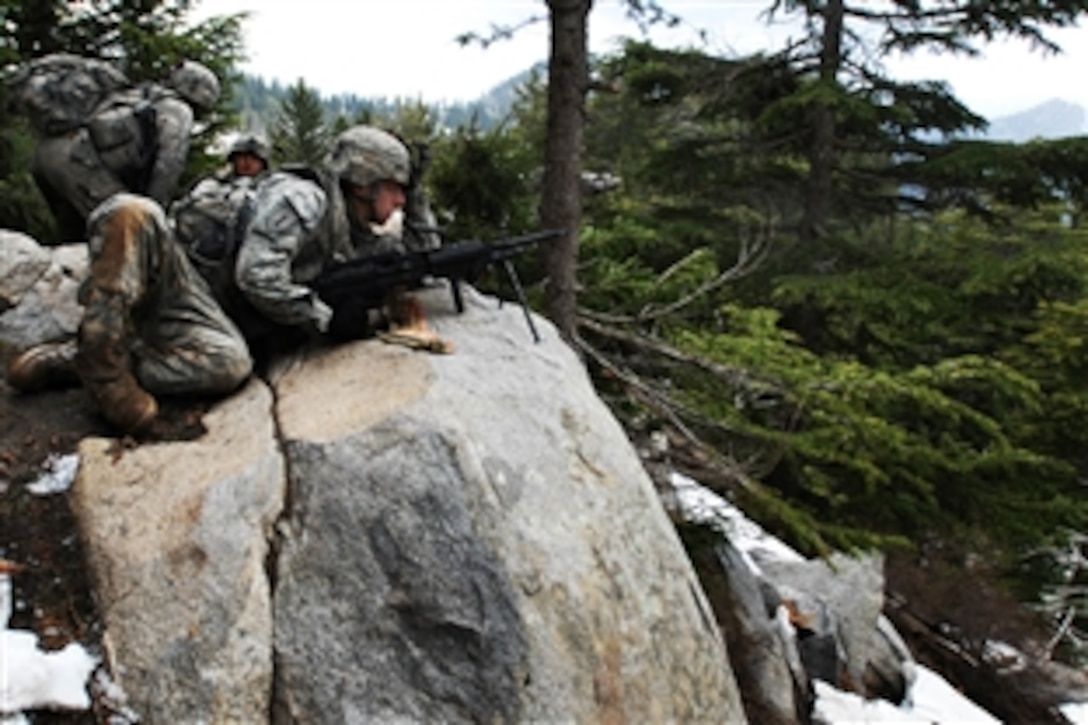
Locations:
{"points": [[1059, 634], [737, 377], [749, 258], [668, 409]]}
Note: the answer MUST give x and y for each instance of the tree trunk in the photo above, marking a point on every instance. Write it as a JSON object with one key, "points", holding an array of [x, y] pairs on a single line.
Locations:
{"points": [[822, 153], [561, 196]]}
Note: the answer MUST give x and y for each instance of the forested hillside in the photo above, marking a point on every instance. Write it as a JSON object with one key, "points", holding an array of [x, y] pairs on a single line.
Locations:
{"points": [[843, 307], [257, 100]]}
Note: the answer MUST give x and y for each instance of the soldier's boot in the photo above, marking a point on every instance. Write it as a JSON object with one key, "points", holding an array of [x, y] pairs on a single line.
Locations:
{"points": [[104, 368], [48, 365]]}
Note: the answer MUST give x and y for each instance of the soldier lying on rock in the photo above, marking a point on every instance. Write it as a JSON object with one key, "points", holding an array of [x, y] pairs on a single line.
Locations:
{"points": [[152, 325]]}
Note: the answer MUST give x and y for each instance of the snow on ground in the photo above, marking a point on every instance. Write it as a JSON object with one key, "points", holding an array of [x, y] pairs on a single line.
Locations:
{"points": [[31, 678], [58, 476], [931, 699], [1076, 713]]}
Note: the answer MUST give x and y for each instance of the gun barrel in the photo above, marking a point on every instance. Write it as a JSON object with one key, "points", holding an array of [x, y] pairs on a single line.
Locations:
{"points": [[513, 244], [353, 287]]}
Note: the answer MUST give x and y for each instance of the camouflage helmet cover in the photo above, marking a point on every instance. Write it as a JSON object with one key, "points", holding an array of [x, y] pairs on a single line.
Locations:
{"points": [[364, 154], [250, 144], [196, 83]]}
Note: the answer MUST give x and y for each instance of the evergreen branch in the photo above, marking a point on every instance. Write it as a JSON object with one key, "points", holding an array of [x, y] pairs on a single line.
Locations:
{"points": [[749, 259], [736, 378], [498, 32]]}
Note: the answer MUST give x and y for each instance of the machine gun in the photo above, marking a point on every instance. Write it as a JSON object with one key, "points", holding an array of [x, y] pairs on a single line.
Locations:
{"points": [[355, 287]]}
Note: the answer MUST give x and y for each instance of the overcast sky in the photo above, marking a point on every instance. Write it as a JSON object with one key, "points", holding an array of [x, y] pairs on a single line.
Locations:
{"points": [[408, 48]]}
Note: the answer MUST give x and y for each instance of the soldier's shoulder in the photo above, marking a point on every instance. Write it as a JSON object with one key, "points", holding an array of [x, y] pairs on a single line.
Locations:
{"points": [[283, 188]]}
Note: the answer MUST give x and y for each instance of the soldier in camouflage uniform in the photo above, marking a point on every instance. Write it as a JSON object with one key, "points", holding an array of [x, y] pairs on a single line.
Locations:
{"points": [[210, 218], [248, 157], [136, 140], [151, 325]]}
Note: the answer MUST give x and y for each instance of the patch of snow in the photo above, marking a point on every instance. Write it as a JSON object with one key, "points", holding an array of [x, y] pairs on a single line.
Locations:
{"points": [[60, 473], [1075, 712], [700, 504], [937, 701], [1004, 657], [5, 601], [930, 700], [32, 679], [835, 707], [110, 695]]}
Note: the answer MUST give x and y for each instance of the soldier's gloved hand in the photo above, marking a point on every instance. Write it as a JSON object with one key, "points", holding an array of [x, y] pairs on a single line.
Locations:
{"points": [[356, 322]]}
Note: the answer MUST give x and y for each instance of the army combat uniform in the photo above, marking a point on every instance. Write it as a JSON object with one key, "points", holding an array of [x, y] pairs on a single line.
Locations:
{"points": [[135, 139], [85, 174], [152, 325]]}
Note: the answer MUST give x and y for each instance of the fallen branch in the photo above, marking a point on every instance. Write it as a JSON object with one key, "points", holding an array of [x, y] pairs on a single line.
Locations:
{"points": [[667, 408]]}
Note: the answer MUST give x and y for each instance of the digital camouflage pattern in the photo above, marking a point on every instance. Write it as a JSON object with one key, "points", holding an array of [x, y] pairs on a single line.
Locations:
{"points": [[196, 83], [364, 154], [58, 92], [100, 135], [111, 152], [143, 293], [288, 242], [251, 144], [146, 298], [210, 221]]}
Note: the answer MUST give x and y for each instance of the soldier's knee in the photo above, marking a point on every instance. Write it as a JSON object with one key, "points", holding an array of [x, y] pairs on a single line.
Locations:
{"points": [[126, 214], [236, 369], [229, 365], [121, 230]]}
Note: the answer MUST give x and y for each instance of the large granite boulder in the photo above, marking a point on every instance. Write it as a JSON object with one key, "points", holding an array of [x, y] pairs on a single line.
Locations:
{"points": [[38, 288], [177, 536], [457, 538]]}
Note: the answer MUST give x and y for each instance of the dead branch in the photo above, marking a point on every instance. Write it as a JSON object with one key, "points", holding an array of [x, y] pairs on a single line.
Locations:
{"points": [[736, 377], [673, 412], [752, 254], [749, 258]]}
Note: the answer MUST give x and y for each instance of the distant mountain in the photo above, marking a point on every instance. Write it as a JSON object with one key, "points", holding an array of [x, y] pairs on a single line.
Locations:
{"points": [[1054, 119], [494, 105], [257, 101]]}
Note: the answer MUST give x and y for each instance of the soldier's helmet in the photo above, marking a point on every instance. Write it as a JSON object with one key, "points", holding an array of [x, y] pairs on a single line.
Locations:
{"points": [[196, 83], [364, 154], [250, 144]]}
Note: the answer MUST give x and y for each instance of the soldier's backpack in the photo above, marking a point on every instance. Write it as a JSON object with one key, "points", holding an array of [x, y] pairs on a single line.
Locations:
{"points": [[210, 221], [59, 92], [123, 131]]}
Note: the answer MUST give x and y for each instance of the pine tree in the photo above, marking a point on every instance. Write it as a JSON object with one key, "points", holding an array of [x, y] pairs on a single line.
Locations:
{"points": [[850, 106], [299, 133]]}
